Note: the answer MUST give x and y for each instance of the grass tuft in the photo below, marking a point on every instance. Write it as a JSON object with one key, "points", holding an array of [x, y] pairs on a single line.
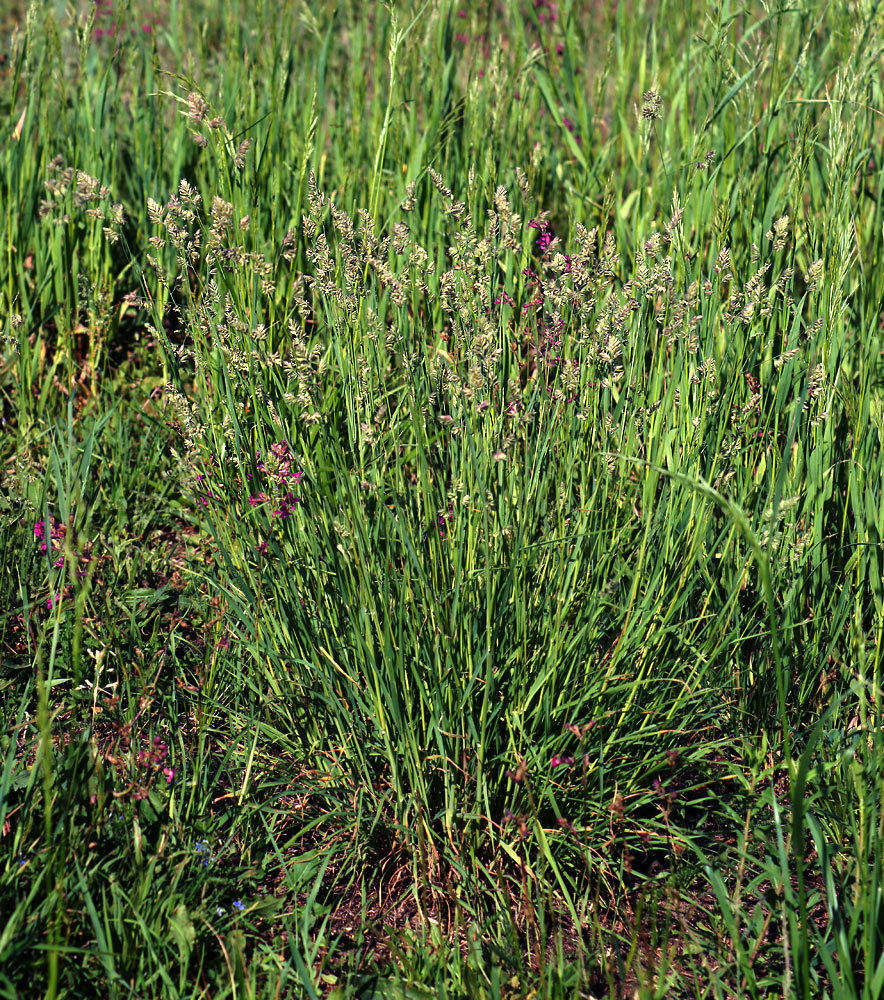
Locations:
{"points": [[440, 510]]}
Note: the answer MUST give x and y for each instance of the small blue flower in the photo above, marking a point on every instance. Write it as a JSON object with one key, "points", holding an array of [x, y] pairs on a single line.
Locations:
{"points": [[238, 904], [220, 911]]}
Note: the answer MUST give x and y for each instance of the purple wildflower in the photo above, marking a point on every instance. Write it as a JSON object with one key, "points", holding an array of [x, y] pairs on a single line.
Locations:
{"points": [[558, 761]]}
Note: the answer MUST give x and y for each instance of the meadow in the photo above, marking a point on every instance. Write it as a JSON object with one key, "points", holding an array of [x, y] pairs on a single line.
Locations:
{"points": [[441, 504]]}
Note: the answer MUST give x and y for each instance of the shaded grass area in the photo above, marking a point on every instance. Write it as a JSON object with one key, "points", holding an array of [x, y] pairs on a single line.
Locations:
{"points": [[440, 508]]}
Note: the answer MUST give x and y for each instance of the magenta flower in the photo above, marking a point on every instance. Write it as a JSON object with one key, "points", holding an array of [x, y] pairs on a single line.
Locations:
{"points": [[557, 761], [44, 536], [287, 507]]}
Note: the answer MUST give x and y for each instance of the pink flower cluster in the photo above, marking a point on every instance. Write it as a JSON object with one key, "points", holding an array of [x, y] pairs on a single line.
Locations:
{"points": [[111, 27], [442, 522], [279, 468], [547, 11], [151, 760], [275, 474], [51, 537]]}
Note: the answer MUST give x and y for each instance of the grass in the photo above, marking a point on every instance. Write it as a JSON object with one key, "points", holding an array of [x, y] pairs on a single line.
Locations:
{"points": [[440, 514]]}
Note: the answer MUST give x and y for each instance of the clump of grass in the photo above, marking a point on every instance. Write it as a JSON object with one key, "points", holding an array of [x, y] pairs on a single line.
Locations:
{"points": [[435, 567]]}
